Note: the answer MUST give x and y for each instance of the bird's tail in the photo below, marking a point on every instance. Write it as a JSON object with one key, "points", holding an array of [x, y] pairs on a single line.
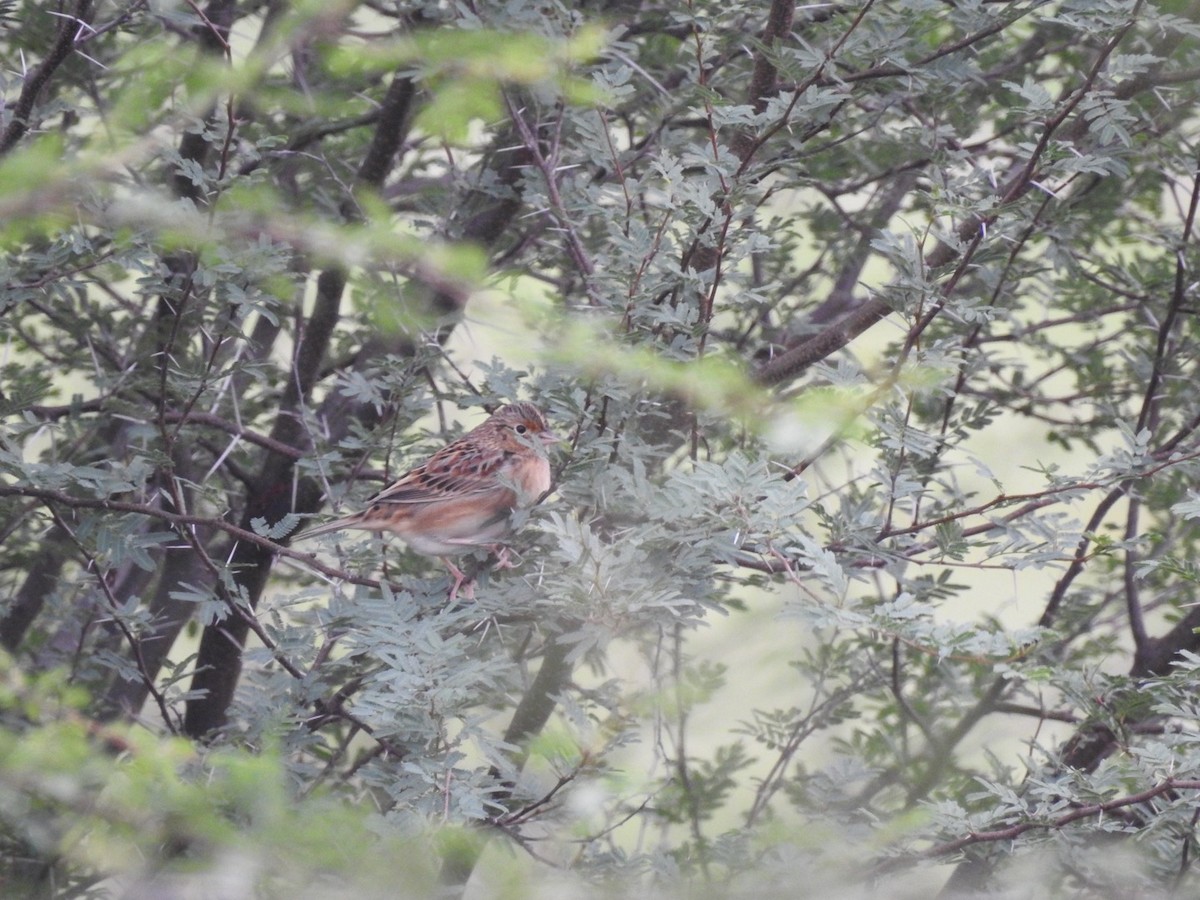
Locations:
{"points": [[354, 521]]}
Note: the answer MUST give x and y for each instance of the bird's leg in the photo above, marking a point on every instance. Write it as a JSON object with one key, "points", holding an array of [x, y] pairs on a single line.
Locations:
{"points": [[459, 579]]}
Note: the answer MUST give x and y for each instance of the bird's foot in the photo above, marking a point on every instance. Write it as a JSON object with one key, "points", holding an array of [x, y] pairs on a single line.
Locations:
{"points": [[502, 554]]}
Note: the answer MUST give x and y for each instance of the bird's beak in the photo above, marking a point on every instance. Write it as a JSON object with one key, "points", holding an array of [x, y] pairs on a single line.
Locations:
{"points": [[549, 437]]}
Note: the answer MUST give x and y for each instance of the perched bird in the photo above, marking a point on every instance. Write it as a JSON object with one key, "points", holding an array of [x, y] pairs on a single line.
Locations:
{"points": [[462, 497]]}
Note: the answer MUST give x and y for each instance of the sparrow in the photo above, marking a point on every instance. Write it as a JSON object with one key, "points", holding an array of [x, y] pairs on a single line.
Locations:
{"points": [[462, 497]]}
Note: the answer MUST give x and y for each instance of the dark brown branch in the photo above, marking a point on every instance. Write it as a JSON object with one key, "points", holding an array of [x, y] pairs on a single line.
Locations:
{"points": [[64, 44], [764, 79], [183, 521], [1011, 832], [790, 364], [529, 718], [274, 495], [43, 573]]}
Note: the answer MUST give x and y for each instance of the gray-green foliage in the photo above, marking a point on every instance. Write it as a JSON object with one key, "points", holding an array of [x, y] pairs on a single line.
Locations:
{"points": [[876, 316]]}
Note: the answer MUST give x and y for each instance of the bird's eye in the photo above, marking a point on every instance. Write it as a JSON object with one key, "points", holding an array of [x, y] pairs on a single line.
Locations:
{"points": [[521, 429]]}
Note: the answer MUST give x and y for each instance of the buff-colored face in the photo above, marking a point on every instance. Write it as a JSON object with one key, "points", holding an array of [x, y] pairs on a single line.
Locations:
{"points": [[521, 425]]}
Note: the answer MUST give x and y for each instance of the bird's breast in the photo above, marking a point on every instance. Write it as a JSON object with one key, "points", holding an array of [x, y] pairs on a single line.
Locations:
{"points": [[530, 476]]}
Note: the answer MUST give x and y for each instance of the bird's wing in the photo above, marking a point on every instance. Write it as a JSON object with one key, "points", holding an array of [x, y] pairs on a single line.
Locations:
{"points": [[461, 469]]}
